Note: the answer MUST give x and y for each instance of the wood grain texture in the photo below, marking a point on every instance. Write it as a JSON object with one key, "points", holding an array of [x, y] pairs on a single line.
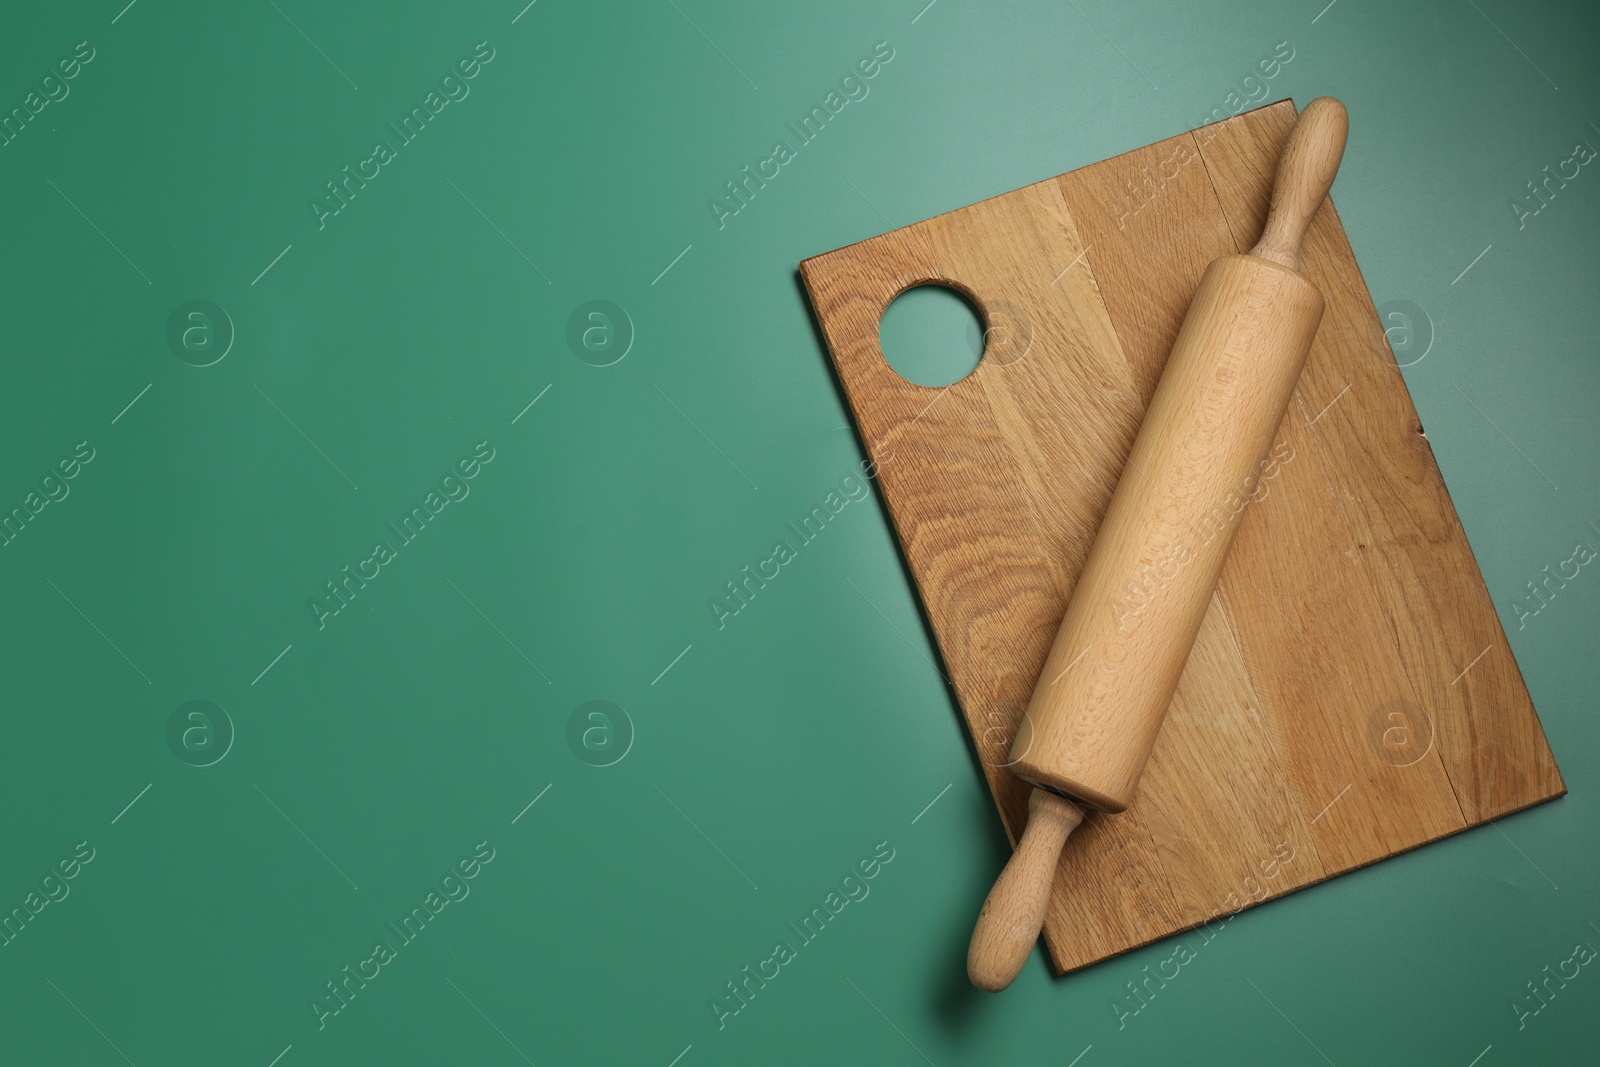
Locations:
{"points": [[1400, 514], [1322, 722]]}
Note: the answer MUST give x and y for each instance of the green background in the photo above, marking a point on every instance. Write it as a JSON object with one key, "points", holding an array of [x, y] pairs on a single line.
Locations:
{"points": [[765, 758]]}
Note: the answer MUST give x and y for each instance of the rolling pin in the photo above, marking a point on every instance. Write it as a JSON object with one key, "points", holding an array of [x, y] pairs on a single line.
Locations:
{"points": [[1137, 606]]}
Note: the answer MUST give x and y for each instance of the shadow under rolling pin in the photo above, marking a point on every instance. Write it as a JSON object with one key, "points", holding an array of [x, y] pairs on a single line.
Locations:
{"points": [[1110, 675]]}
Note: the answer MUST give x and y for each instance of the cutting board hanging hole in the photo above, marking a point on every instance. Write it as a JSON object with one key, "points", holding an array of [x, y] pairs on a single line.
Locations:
{"points": [[932, 335]]}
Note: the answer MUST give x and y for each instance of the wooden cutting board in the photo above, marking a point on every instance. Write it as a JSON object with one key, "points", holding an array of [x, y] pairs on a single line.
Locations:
{"points": [[1351, 695]]}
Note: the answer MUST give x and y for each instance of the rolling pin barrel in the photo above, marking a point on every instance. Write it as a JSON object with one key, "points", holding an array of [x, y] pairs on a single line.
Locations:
{"points": [[1144, 589]]}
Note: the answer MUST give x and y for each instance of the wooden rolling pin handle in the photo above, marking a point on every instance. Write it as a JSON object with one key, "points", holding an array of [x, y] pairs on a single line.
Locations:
{"points": [[1305, 174], [1008, 926]]}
